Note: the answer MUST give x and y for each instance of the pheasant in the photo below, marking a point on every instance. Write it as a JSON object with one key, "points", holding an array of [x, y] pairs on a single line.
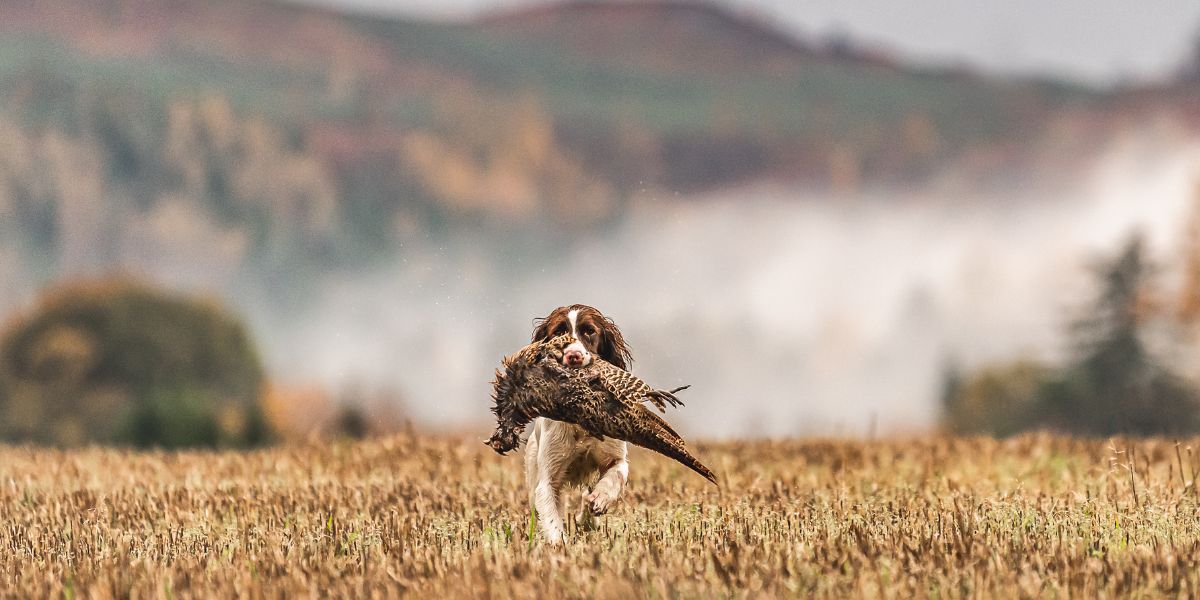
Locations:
{"points": [[603, 399]]}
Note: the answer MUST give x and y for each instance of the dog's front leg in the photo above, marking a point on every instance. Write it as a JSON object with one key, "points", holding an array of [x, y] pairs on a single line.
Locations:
{"points": [[608, 489]]}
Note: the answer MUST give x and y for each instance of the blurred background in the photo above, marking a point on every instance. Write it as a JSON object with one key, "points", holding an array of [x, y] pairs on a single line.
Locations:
{"points": [[228, 222]]}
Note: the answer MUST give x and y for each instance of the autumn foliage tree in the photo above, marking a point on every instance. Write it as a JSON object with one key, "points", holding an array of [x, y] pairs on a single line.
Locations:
{"points": [[115, 361]]}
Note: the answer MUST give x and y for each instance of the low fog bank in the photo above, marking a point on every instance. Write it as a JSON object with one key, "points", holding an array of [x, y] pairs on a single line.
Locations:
{"points": [[788, 313]]}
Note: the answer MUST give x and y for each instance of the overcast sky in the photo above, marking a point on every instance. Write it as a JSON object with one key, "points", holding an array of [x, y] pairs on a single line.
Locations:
{"points": [[1099, 41]]}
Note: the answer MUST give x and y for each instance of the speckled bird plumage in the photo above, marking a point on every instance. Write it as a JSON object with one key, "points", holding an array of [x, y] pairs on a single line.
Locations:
{"points": [[602, 398]]}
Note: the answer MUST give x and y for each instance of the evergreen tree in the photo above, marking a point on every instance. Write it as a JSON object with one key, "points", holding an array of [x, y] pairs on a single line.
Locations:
{"points": [[1191, 67], [1114, 384]]}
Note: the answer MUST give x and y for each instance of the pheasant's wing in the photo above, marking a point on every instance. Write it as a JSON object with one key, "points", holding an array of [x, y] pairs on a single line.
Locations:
{"points": [[627, 386], [661, 398]]}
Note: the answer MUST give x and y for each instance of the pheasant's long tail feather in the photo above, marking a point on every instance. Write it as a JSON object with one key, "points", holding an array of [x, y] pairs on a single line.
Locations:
{"points": [[654, 434], [659, 423], [680, 454]]}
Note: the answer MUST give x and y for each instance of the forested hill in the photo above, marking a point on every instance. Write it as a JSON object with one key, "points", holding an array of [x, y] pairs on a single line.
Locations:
{"points": [[238, 131]]}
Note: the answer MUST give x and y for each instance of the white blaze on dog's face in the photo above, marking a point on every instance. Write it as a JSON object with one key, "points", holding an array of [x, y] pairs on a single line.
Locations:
{"points": [[591, 333], [576, 354]]}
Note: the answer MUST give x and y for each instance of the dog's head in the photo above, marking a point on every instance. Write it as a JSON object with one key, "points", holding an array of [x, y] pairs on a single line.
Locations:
{"points": [[595, 333]]}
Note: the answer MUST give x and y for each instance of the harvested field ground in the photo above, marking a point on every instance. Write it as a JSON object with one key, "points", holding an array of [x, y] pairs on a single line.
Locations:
{"points": [[444, 517]]}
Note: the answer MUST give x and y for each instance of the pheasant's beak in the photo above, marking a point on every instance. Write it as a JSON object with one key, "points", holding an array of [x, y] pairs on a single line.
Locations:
{"points": [[576, 355]]}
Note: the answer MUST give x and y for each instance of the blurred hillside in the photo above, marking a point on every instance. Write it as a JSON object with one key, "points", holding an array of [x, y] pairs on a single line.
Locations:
{"points": [[299, 134], [230, 133]]}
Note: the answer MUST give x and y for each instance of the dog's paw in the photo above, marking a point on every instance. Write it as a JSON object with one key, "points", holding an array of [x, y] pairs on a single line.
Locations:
{"points": [[554, 539], [552, 531], [600, 500]]}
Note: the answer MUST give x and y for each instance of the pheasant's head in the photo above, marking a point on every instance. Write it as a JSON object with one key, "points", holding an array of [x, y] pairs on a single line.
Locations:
{"points": [[566, 350], [555, 347]]}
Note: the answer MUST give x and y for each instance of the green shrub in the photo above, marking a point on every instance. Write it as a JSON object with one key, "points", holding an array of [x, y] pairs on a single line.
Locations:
{"points": [[116, 361], [1000, 400]]}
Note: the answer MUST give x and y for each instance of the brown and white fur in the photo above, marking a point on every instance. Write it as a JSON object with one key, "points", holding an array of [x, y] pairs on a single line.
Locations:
{"points": [[559, 456]]}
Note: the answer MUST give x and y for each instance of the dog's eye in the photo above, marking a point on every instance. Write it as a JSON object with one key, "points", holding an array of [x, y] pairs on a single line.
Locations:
{"points": [[588, 330], [561, 329]]}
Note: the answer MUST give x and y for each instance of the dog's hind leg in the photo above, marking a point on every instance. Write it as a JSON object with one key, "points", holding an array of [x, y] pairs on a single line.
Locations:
{"points": [[531, 458], [553, 455]]}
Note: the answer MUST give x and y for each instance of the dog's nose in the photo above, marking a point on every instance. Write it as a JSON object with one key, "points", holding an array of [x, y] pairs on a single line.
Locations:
{"points": [[573, 358]]}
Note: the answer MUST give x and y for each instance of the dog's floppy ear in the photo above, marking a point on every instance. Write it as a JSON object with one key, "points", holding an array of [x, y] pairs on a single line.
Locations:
{"points": [[613, 347], [541, 329]]}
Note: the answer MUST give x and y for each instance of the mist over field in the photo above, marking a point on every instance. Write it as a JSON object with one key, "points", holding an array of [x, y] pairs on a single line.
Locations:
{"points": [[812, 232], [789, 312]]}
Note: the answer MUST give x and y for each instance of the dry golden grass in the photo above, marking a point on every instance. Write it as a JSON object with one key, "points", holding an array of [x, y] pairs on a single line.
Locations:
{"points": [[444, 517]]}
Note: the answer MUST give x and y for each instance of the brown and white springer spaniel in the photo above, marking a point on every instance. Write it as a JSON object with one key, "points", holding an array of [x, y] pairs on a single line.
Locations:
{"points": [[560, 455]]}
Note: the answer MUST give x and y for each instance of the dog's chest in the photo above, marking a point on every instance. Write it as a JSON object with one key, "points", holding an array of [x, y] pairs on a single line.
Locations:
{"points": [[589, 456]]}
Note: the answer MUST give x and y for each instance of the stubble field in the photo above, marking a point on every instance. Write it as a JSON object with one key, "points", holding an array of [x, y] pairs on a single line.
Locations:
{"points": [[444, 517]]}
